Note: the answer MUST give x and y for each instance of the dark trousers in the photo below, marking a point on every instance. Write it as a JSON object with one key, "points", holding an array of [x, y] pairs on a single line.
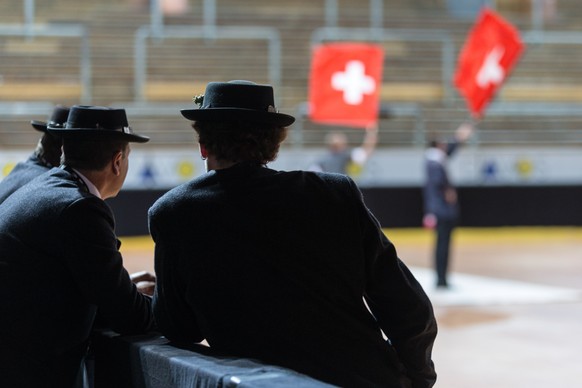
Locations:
{"points": [[444, 230]]}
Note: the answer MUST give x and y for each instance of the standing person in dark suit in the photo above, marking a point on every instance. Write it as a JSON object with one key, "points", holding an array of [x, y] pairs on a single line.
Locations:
{"points": [[59, 257], [279, 266], [46, 155], [441, 208]]}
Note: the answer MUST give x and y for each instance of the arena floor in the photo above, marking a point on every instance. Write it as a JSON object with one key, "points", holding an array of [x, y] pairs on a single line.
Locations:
{"points": [[513, 314]]}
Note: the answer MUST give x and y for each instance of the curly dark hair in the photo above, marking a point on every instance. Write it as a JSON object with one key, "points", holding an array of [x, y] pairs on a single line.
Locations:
{"points": [[237, 141]]}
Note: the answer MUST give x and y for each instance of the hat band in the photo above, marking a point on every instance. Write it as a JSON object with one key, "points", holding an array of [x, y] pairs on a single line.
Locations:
{"points": [[127, 130]]}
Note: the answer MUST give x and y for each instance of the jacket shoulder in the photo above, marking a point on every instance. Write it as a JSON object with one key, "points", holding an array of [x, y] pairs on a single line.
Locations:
{"points": [[185, 190]]}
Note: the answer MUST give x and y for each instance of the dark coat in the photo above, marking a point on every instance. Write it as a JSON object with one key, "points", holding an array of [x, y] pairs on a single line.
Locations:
{"points": [[275, 265], [59, 265], [21, 174], [436, 183]]}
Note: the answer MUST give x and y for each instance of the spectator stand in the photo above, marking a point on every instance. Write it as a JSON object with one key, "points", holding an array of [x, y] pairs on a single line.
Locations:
{"points": [[209, 33]]}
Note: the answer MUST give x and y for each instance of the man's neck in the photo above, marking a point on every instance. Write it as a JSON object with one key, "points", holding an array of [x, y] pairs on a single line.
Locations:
{"points": [[214, 164], [98, 180]]}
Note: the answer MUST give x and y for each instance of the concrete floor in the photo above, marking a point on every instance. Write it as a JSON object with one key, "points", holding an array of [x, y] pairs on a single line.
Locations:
{"points": [[513, 315]]}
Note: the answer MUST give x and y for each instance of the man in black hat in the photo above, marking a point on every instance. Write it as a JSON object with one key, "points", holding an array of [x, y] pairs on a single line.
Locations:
{"points": [[279, 266], [46, 155], [60, 263]]}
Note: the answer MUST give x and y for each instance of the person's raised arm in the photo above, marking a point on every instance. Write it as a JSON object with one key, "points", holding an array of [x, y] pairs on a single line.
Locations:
{"points": [[370, 139], [360, 155], [464, 132]]}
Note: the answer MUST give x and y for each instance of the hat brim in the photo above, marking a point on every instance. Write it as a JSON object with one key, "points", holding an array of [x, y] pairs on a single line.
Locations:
{"points": [[39, 125], [229, 114], [93, 133]]}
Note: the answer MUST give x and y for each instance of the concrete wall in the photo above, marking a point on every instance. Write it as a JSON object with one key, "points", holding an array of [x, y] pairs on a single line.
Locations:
{"points": [[497, 186]]}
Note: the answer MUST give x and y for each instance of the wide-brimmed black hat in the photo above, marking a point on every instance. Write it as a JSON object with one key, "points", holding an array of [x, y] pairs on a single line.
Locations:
{"points": [[238, 100], [97, 122], [57, 118]]}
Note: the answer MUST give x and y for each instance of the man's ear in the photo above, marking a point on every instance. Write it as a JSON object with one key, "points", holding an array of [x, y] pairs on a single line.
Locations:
{"points": [[116, 163], [203, 152]]}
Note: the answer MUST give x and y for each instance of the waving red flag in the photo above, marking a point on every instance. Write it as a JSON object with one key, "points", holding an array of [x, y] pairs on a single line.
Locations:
{"points": [[488, 56], [344, 84]]}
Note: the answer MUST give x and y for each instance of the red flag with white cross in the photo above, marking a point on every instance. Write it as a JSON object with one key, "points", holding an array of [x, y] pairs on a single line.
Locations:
{"points": [[492, 49], [344, 84]]}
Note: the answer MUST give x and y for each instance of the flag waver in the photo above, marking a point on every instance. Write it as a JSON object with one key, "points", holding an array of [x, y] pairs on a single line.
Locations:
{"points": [[344, 84], [492, 49]]}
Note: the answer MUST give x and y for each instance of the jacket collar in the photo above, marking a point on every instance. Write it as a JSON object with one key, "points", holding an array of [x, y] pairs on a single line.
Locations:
{"points": [[435, 155]]}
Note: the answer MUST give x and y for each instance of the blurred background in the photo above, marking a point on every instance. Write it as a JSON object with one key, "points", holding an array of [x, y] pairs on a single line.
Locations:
{"points": [[523, 166], [519, 178]]}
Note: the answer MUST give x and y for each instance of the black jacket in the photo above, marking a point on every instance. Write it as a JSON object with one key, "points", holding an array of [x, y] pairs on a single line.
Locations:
{"points": [[437, 182], [21, 174], [276, 266], [59, 265]]}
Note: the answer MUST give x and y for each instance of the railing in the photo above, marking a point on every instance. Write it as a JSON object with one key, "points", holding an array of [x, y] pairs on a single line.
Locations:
{"points": [[60, 31], [416, 100], [415, 135], [442, 38], [151, 361], [271, 35]]}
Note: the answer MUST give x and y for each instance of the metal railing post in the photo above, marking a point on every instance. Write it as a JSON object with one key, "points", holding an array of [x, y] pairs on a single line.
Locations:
{"points": [[376, 14], [209, 17], [29, 18], [271, 35], [331, 13], [140, 62], [86, 68]]}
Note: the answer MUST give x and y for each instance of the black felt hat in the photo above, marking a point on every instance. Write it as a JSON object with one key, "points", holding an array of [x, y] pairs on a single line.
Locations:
{"points": [[238, 100], [57, 118], [97, 122]]}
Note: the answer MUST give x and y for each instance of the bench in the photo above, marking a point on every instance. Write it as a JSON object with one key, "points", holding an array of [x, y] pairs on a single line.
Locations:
{"points": [[411, 91], [392, 91], [40, 91], [427, 92], [172, 91], [542, 92]]}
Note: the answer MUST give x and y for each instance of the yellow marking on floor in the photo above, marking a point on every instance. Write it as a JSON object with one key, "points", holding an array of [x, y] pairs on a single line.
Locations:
{"points": [[137, 243], [500, 235], [423, 236]]}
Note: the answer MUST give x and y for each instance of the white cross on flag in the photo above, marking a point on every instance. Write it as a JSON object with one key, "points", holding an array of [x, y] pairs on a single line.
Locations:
{"points": [[490, 52], [344, 84]]}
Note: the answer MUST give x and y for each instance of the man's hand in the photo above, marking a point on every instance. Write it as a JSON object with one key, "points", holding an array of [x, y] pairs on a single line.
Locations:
{"points": [[371, 137], [429, 221], [450, 195], [464, 132], [145, 282]]}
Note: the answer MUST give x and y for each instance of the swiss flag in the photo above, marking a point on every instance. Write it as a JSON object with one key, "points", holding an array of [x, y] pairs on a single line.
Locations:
{"points": [[344, 84], [488, 56]]}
